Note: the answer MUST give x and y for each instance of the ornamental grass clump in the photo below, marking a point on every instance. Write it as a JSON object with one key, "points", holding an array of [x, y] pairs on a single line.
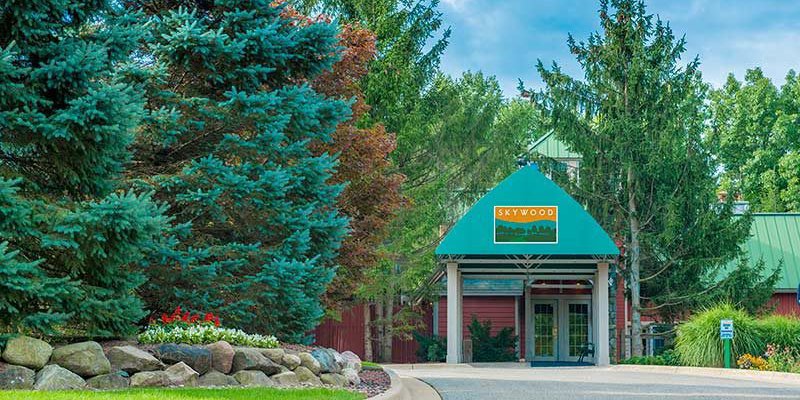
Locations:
{"points": [[184, 327], [780, 331], [698, 343]]}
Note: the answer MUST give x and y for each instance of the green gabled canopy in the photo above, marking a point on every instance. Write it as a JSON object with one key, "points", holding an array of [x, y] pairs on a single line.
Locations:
{"points": [[578, 234], [549, 146]]}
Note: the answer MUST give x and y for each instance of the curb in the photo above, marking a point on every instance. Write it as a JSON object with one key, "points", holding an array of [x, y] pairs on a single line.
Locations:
{"points": [[729, 373], [396, 389]]}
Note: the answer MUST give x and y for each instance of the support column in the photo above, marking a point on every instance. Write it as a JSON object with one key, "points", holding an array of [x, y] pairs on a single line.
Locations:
{"points": [[454, 325], [528, 323], [516, 327], [600, 308]]}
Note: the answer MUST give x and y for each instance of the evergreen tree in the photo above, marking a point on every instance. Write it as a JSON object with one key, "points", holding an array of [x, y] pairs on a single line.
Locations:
{"points": [[68, 242], [637, 118], [228, 142]]}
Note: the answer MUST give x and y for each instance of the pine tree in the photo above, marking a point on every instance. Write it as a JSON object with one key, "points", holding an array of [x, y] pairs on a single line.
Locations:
{"points": [[228, 143], [70, 237], [637, 118]]}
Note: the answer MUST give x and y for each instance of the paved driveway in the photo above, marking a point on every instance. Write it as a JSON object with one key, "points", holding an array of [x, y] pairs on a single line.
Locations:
{"points": [[515, 383]]}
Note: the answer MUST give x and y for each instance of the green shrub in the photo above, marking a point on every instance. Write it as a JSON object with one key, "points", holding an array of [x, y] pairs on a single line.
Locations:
{"points": [[781, 331], [668, 357], [204, 334], [487, 348], [431, 348], [698, 343]]}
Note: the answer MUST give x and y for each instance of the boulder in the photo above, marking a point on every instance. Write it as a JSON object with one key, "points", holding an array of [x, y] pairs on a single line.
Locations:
{"points": [[132, 360], [253, 378], [215, 378], [334, 379], [150, 379], [16, 377], [181, 374], [221, 356], [352, 376], [327, 360], [291, 361], [196, 357], [252, 360], [287, 378], [27, 352], [275, 355], [110, 381], [53, 377], [352, 360], [85, 359], [308, 361], [304, 375]]}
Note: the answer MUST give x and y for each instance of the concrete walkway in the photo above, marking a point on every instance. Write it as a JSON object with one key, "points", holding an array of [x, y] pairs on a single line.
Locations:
{"points": [[514, 381]]}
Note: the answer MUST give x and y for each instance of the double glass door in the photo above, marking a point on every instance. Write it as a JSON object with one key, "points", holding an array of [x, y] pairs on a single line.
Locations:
{"points": [[561, 328]]}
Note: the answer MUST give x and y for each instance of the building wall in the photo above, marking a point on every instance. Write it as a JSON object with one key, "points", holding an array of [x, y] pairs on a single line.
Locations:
{"points": [[497, 309], [785, 304], [348, 334]]}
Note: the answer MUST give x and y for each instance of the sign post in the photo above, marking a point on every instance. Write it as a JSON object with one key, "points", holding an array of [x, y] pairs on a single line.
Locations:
{"points": [[726, 334]]}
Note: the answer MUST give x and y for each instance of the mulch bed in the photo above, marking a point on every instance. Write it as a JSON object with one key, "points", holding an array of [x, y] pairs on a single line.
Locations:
{"points": [[373, 382]]}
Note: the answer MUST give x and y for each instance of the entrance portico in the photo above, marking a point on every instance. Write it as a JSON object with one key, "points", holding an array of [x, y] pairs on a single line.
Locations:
{"points": [[527, 229]]}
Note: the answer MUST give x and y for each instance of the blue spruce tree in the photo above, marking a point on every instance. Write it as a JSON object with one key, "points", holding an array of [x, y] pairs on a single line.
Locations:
{"points": [[70, 237], [227, 142]]}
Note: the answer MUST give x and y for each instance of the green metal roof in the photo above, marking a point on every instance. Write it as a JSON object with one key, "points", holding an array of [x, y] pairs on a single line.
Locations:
{"points": [[576, 232], [776, 237], [551, 147]]}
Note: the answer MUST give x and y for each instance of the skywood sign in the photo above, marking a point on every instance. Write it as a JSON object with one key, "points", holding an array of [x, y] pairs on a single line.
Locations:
{"points": [[525, 224]]}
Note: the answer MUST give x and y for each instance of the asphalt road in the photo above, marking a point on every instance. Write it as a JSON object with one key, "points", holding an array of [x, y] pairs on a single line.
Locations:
{"points": [[596, 384]]}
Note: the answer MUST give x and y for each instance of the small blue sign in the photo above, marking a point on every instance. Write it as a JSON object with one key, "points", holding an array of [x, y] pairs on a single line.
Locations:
{"points": [[726, 329]]}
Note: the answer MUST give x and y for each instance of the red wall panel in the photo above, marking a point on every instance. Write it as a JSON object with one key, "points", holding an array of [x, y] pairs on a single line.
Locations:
{"points": [[348, 334], [497, 309], [785, 304]]}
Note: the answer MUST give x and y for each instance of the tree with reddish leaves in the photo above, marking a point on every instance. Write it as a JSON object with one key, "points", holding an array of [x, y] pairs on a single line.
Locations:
{"points": [[372, 196]]}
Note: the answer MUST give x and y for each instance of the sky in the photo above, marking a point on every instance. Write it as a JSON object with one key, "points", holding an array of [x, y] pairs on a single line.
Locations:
{"points": [[505, 37]]}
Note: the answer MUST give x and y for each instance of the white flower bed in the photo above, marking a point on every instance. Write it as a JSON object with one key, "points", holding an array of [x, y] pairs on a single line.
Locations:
{"points": [[205, 334]]}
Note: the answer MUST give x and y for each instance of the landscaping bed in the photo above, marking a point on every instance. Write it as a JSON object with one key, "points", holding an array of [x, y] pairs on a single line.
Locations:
{"points": [[188, 394], [30, 363]]}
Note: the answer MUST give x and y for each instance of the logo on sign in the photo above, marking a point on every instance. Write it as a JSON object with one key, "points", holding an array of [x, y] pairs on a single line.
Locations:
{"points": [[526, 224]]}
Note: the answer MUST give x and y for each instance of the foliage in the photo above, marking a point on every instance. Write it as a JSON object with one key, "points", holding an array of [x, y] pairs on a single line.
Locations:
{"points": [[698, 343], [749, 361], [229, 141], [486, 347], [70, 234], [186, 394], [668, 357], [780, 330], [746, 284], [782, 359], [204, 334], [431, 348], [185, 319], [372, 196], [755, 127], [637, 116]]}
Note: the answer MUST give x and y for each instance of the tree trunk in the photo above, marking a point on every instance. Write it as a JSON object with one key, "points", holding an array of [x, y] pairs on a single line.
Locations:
{"points": [[367, 333], [386, 344], [380, 329], [634, 250]]}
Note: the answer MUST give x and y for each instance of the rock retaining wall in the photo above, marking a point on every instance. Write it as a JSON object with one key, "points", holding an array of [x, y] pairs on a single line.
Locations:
{"points": [[30, 363]]}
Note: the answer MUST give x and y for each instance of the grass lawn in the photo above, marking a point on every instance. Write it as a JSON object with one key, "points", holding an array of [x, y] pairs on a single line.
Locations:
{"points": [[371, 365], [186, 394]]}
